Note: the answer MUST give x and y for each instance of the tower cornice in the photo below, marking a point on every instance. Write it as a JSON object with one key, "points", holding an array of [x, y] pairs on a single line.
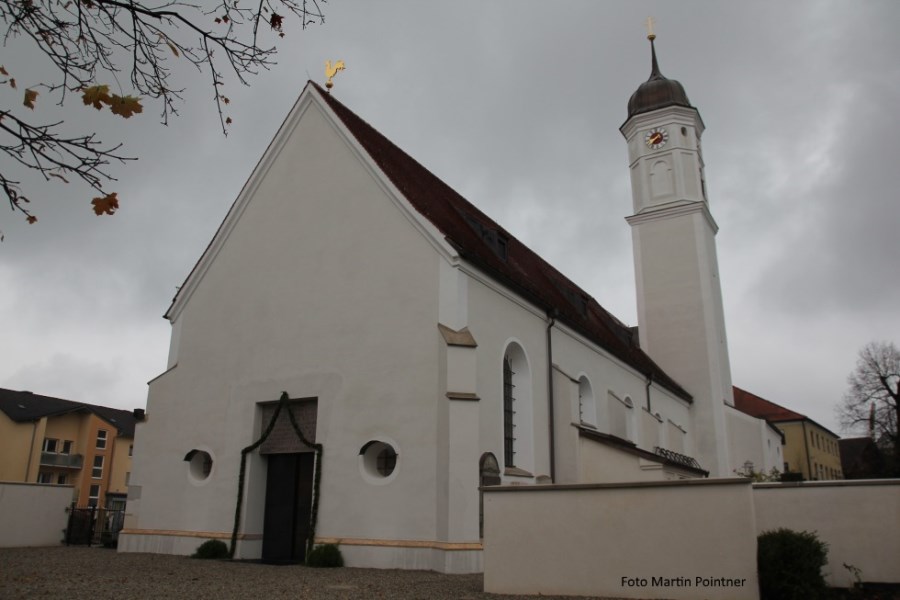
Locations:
{"points": [[675, 209], [687, 115]]}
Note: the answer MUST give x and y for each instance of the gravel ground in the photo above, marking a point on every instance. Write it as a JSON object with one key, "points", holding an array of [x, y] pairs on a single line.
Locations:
{"points": [[80, 573]]}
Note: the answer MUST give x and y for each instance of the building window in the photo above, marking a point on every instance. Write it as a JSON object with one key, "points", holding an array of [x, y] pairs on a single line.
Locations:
{"points": [[101, 439], [127, 477], [489, 475], [62, 479], [130, 449], [50, 445], [200, 464], [94, 495], [44, 477], [379, 459], [587, 408], [66, 447], [517, 411], [509, 439], [386, 461], [97, 471]]}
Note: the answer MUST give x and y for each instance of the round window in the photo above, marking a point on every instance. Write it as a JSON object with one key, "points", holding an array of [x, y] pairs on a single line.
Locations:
{"points": [[199, 464], [379, 459]]}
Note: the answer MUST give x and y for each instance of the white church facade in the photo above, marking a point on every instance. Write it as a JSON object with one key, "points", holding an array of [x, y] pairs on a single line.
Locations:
{"points": [[425, 351]]}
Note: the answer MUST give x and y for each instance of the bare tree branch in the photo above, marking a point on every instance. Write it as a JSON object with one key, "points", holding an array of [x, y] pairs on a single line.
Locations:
{"points": [[872, 400], [92, 42]]}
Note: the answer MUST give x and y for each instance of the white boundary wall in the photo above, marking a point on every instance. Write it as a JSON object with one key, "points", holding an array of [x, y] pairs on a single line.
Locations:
{"points": [[33, 514], [679, 539], [859, 520], [668, 539]]}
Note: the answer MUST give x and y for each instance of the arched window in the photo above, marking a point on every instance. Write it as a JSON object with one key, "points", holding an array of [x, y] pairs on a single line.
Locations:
{"points": [[518, 450], [509, 400], [488, 474], [587, 406]]}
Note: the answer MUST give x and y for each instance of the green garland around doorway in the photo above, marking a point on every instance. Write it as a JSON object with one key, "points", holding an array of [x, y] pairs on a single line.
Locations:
{"points": [[282, 403]]}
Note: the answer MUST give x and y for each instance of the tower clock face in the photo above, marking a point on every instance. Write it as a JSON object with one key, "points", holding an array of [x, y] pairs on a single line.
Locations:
{"points": [[656, 138]]}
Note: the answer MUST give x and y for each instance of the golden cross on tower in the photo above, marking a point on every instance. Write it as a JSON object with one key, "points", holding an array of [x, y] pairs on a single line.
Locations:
{"points": [[650, 35], [331, 71]]}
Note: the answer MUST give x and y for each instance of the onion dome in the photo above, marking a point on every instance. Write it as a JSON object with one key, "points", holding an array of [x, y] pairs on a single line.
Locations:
{"points": [[657, 92]]}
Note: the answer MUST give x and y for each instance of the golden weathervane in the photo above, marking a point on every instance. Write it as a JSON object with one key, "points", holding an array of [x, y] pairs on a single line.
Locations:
{"points": [[330, 72]]}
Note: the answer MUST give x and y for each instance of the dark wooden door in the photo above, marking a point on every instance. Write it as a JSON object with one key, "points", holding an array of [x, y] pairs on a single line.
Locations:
{"points": [[288, 507]]}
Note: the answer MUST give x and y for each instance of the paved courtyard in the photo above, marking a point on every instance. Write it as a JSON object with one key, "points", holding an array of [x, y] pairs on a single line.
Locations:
{"points": [[84, 573]]}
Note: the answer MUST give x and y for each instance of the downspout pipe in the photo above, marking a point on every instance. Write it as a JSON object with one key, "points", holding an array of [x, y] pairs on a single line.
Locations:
{"points": [[34, 425], [649, 383], [551, 320], [806, 446]]}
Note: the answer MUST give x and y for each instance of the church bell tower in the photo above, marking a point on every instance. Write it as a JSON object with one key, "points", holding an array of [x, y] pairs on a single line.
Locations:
{"points": [[679, 298]]}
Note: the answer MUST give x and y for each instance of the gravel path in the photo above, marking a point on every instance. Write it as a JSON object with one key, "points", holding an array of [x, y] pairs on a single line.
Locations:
{"points": [[80, 573]]}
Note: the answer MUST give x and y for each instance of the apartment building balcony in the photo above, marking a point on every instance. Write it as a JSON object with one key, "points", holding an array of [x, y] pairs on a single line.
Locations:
{"points": [[64, 461]]}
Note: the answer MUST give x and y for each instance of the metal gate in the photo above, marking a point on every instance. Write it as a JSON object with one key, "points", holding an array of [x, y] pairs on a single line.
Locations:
{"points": [[91, 525]]}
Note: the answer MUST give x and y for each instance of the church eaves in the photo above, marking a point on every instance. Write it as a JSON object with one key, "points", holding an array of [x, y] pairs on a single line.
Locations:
{"points": [[517, 267]]}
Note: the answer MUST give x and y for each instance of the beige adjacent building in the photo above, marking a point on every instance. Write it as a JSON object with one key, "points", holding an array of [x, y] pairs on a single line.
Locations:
{"points": [[62, 442], [809, 448]]}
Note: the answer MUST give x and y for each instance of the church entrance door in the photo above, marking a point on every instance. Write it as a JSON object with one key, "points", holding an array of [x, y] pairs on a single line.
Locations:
{"points": [[289, 483]]}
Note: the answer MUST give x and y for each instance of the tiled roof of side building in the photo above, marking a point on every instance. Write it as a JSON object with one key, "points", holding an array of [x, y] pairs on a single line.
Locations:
{"points": [[485, 244], [761, 408], [22, 407]]}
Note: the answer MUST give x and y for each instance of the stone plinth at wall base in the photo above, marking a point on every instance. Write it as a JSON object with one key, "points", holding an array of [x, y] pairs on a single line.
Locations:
{"points": [[156, 541], [669, 539], [443, 557]]}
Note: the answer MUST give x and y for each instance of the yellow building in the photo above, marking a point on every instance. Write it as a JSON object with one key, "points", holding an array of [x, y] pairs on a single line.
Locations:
{"points": [[61, 442], [809, 448]]}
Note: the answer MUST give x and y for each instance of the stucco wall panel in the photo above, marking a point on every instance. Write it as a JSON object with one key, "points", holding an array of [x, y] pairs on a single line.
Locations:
{"points": [[859, 520], [613, 540], [33, 514]]}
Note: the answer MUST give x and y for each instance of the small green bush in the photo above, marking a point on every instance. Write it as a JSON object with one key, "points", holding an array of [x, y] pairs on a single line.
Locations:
{"points": [[790, 565], [326, 556], [211, 549]]}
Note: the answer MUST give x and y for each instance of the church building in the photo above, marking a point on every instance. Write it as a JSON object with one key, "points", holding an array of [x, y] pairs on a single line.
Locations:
{"points": [[360, 349]]}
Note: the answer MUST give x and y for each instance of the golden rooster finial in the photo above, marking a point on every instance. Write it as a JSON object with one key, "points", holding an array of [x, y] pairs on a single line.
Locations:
{"points": [[330, 72]]}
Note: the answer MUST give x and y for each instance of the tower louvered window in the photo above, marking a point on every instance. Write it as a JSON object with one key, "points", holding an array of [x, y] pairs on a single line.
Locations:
{"points": [[508, 414]]}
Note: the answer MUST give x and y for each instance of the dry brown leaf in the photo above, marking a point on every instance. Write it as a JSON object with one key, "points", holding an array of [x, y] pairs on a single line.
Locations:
{"points": [[108, 204], [30, 97]]}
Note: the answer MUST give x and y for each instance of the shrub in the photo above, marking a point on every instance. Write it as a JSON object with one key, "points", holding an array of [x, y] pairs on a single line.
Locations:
{"points": [[790, 565], [211, 549], [326, 555]]}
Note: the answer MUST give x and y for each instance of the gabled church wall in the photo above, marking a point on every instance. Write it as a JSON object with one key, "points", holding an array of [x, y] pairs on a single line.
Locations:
{"points": [[322, 289]]}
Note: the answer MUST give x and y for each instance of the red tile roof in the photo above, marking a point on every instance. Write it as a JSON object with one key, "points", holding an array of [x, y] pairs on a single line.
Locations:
{"points": [[761, 408], [474, 235]]}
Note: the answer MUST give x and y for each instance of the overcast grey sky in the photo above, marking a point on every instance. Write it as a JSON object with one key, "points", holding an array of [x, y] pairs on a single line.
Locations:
{"points": [[517, 105]]}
